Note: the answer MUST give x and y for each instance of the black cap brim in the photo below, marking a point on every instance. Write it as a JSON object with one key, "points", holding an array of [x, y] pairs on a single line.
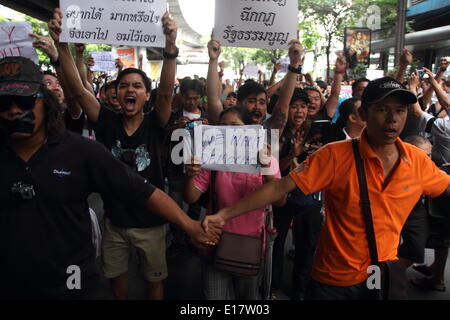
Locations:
{"points": [[405, 95], [9, 88]]}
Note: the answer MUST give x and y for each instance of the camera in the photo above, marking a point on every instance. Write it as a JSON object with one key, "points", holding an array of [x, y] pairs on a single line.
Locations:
{"points": [[25, 191]]}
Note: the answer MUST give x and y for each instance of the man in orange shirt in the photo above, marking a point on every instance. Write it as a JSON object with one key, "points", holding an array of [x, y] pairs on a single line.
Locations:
{"points": [[397, 175]]}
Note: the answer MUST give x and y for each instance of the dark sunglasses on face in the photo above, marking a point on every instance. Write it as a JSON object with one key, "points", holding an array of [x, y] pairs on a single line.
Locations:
{"points": [[23, 102]]}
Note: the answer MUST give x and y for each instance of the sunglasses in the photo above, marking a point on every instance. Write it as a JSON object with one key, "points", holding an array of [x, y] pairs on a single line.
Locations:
{"points": [[23, 102]]}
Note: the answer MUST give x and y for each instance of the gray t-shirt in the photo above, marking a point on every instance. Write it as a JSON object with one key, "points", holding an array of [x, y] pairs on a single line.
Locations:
{"points": [[440, 132]]}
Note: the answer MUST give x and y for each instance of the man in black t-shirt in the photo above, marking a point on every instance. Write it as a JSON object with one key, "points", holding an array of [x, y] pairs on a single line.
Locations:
{"points": [[136, 139], [46, 249]]}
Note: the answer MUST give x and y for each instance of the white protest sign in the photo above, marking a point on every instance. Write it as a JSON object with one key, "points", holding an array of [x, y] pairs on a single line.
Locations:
{"points": [[251, 71], [284, 65], [118, 22], [229, 148], [104, 61], [15, 41], [373, 74], [267, 24]]}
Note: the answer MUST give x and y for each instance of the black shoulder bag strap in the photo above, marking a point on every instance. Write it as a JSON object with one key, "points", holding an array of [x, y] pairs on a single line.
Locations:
{"points": [[365, 204]]}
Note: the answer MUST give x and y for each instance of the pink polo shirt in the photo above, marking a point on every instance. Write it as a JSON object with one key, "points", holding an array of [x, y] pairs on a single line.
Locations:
{"points": [[231, 187]]}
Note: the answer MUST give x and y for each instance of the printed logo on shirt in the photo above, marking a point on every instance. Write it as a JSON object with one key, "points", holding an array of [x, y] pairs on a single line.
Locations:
{"points": [[61, 173], [139, 158], [301, 167]]}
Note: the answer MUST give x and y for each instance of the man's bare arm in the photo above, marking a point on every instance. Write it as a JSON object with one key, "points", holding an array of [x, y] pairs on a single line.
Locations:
{"points": [[215, 106]]}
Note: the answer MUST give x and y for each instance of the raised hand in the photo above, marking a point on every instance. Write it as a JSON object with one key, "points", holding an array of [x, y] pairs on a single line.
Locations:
{"points": [[298, 144], [54, 25], [119, 64], [45, 44], [309, 80], [79, 48], [341, 63], [276, 67], [430, 78], [295, 53], [170, 29], [406, 58], [413, 81], [214, 48]]}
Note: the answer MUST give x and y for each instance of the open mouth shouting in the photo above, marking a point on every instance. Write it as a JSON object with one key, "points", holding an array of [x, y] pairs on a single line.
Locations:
{"points": [[130, 104], [256, 116]]}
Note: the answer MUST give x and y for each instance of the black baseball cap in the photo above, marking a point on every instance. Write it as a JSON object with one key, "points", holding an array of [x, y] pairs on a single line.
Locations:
{"points": [[19, 76], [299, 94], [381, 88]]}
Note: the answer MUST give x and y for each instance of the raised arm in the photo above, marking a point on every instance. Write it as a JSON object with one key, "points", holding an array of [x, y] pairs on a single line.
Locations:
{"points": [[215, 106], [163, 106], [274, 88], [276, 68], [429, 93], [441, 95], [81, 66], [413, 83], [280, 111], [405, 60], [73, 81], [340, 67], [46, 44]]}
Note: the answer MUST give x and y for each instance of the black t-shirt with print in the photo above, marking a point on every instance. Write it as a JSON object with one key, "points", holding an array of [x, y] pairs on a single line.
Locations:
{"points": [[47, 232], [142, 152]]}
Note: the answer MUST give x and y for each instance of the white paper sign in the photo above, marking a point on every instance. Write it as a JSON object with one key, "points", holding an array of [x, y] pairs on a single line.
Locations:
{"points": [[230, 148], [15, 41], [284, 65], [104, 61], [251, 71], [374, 74], [268, 24], [115, 22]]}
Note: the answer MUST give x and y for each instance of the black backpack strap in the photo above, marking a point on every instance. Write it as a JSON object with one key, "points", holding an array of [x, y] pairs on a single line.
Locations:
{"points": [[365, 204], [430, 125]]}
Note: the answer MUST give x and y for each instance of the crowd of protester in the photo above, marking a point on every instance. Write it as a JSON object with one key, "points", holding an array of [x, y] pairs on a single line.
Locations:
{"points": [[162, 209]]}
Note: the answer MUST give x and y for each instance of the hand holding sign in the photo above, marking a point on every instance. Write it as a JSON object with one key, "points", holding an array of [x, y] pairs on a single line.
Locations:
{"points": [[214, 48], [170, 30], [296, 53], [54, 25], [45, 44]]}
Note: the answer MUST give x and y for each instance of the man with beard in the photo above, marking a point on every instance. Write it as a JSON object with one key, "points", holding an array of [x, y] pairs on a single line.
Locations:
{"points": [[136, 138]]}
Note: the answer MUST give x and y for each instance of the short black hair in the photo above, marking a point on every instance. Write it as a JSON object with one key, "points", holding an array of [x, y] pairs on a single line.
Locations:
{"points": [[50, 73], [312, 89], [346, 108], [241, 111], [191, 84], [447, 83], [322, 84], [249, 88], [417, 140], [359, 81], [145, 79], [232, 94], [299, 94]]}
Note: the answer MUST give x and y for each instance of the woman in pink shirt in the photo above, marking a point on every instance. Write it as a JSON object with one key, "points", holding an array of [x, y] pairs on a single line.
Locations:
{"points": [[229, 188]]}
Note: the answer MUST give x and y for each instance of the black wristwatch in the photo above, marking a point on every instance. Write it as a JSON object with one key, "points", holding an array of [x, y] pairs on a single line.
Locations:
{"points": [[171, 55], [295, 70], [55, 63]]}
